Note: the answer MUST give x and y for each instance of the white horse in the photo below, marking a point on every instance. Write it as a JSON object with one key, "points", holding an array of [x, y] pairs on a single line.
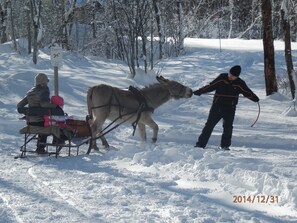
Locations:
{"points": [[134, 106]]}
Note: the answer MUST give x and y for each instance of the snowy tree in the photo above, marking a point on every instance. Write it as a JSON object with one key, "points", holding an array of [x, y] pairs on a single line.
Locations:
{"points": [[123, 29]]}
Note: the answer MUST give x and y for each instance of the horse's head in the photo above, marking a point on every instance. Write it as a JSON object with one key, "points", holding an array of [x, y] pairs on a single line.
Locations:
{"points": [[176, 89]]}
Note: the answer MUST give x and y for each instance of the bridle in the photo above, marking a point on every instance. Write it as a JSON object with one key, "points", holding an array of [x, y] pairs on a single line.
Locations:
{"points": [[182, 89]]}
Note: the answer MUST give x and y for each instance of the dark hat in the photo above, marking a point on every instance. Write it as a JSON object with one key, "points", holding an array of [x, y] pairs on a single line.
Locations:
{"points": [[235, 70]]}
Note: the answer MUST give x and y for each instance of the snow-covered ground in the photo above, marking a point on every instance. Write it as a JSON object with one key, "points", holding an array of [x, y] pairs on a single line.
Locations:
{"points": [[170, 181]]}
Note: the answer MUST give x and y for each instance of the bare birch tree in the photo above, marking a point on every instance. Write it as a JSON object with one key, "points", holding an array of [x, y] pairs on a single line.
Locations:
{"points": [[181, 36], [28, 24], [159, 27], [231, 5], [35, 8]]}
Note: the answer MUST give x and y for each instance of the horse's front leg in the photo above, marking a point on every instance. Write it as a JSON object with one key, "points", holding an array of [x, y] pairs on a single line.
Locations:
{"points": [[153, 125], [142, 132]]}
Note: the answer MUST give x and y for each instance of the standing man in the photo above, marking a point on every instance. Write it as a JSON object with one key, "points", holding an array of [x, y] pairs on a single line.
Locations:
{"points": [[227, 87]]}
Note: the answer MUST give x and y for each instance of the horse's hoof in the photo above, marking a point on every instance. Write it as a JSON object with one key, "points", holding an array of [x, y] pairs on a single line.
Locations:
{"points": [[95, 148], [154, 140]]}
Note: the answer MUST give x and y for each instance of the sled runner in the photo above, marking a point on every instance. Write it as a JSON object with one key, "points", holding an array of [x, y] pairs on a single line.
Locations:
{"points": [[66, 132]]}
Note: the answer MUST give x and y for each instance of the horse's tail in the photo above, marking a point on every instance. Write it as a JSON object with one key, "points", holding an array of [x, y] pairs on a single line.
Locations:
{"points": [[90, 100]]}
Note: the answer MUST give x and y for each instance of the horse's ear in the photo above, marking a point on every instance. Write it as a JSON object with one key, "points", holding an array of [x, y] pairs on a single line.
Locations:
{"points": [[161, 79]]}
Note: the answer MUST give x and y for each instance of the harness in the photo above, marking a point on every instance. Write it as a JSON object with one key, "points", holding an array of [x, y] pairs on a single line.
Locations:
{"points": [[141, 108]]}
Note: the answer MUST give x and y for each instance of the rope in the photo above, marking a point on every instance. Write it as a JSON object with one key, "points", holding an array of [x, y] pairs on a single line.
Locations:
{"points": [[228, 96], [134, 124], [233, 96], [103, 132], [257, 115]]}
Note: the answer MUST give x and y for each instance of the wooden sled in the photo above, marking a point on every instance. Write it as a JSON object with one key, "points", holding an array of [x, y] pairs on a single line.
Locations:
{"points": [[77, 133]]}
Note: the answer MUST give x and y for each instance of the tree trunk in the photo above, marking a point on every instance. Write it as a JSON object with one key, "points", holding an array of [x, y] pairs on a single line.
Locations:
{"points": [[28, 27], [269, 64], [144, 53], [64, 39], [288, 55], [3, 23], [231, 6], [131, 55], [180, 46], [35, 16], [11, 24], [152, 44], [159, 27], [35, 47]]}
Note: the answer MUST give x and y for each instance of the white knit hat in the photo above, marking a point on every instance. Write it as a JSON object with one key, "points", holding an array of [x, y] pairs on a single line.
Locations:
{"points": [[41, 78]]}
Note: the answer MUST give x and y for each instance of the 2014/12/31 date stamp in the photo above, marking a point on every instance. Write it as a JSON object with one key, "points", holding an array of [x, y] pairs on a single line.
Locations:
{"points": [[252, 199]]}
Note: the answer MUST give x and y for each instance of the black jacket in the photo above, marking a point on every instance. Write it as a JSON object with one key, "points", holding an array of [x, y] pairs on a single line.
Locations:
{"points": [[226, 91]]}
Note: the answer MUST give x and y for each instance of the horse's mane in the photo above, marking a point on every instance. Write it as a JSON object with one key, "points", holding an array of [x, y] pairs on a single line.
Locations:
{"points": [[151, 86]]}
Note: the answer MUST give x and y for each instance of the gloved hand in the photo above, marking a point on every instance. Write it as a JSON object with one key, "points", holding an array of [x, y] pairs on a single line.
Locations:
{"points": [[197, 92]]}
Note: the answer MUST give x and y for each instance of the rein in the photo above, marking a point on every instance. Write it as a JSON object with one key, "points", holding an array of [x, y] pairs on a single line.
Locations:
{"points": [[232, 96], [131, 114]]}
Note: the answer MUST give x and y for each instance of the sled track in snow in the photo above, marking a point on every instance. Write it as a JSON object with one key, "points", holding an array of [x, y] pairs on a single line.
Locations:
{"points": [[20, 197], [66, 204]]}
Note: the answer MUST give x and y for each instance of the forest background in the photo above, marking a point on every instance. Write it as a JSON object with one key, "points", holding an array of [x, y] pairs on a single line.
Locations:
{"points": [[142, 32]]}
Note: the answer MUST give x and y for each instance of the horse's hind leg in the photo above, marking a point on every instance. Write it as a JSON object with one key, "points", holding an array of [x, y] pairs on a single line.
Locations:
{"points": [[104, 141], [94, 133], [96, 129]]}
